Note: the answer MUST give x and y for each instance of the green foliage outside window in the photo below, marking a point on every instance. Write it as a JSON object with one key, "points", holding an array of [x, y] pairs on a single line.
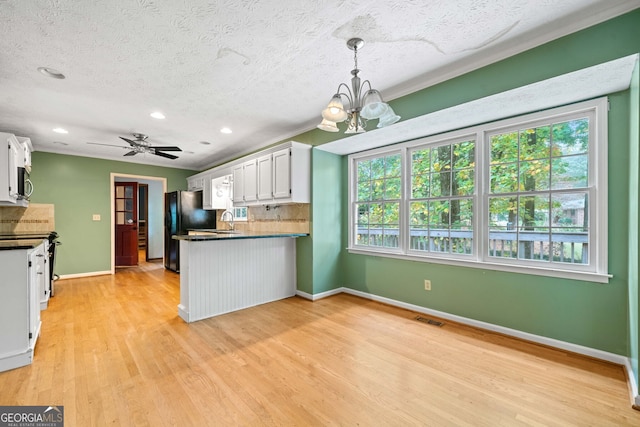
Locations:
{"points": [[442, 186], [510, 194], [534, 173], [379, 189]]}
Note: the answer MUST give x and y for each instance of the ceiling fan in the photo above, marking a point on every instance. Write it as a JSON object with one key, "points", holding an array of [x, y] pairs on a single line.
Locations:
{"points": [[140, 145]]}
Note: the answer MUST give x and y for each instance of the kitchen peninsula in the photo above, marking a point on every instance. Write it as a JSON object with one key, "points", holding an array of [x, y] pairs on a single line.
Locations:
{"points": [[222, 271]]}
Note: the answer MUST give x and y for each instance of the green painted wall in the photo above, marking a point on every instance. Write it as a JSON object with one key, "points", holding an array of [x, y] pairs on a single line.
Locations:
{"points": [[79, 188], [318, 256], [326, 220], [584, 313], [634, 220]]}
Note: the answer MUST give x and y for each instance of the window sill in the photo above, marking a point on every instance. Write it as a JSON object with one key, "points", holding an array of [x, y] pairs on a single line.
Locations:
{"points": [[561, 274]]}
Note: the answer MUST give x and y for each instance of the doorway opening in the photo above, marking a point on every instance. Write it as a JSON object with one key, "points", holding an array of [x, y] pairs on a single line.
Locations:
{"points": [[150, 207], [143, 231], [126, 215]]}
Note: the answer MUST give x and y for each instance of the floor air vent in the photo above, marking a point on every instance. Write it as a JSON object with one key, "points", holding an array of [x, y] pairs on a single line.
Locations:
{"points": [[429, 321]]}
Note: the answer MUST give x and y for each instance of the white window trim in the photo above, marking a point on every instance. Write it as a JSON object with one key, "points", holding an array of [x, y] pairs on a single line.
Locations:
{"points": [[597, 189], [353, 190], [240, 218], [447, 139]]}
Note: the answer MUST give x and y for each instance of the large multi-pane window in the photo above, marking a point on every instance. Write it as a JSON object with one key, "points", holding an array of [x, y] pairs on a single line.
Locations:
{"points": [[377, 205], [441, 202], [539, 192], [518, 194]]}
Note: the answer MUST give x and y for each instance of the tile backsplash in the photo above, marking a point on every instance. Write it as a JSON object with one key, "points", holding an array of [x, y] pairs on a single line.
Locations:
{"points": [[290, 218], [34, 219]]}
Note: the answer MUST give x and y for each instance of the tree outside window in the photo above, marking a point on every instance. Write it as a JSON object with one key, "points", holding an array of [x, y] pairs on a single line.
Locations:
{"points": [[379, 188], [536, 175]]}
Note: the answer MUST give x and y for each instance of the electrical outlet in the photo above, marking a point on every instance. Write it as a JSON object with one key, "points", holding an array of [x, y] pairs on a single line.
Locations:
{"points": [[427, 285], [96, 217]]}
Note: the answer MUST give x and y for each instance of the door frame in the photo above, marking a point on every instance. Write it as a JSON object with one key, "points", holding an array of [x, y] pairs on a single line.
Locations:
{"points": [[145, 203], [127, 253], [112, 191]]}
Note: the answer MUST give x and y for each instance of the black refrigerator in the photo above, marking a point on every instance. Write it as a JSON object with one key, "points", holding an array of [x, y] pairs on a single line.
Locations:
{"points": [[183, 212]]}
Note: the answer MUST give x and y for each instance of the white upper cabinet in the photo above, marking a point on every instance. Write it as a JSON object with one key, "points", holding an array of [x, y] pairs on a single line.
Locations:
{"points": [[292, 174], [264, 178], [11, 153], [238, 184], [277, 175], [24, 154], [207, 195], [282, 174], [195, 183], [251, 181], [221, 192]]}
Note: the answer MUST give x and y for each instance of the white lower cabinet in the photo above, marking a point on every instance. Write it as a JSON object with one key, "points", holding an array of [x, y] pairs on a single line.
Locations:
{"points": [[40, 267], [19, 305]]}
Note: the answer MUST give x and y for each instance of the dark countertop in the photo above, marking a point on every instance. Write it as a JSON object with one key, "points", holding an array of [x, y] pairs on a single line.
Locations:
{"points": [[22, 236], [200, 235], [19, 244]]}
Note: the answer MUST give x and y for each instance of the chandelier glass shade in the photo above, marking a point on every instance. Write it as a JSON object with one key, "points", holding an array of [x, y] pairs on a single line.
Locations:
{"points": [[362, 105]]}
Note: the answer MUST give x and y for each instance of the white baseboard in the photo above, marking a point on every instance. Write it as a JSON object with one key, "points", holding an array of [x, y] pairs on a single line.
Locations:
{"points": [[321, 295], [80, 275], [633, 382]]}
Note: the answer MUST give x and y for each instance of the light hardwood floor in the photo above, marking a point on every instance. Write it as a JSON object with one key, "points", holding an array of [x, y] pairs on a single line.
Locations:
{"points": [[114, 352]]}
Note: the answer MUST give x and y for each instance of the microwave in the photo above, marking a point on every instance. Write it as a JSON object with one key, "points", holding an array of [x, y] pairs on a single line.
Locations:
{"points": [[25, 186]]}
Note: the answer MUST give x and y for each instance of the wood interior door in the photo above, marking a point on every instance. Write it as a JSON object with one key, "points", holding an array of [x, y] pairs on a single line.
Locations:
{"points": [[126, 218]]}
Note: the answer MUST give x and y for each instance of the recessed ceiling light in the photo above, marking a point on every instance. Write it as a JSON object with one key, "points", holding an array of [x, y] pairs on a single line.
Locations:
{"points": [[205, 143], [60, 130], [226, 130], [50, 72], [157, 115], [60, 143]]}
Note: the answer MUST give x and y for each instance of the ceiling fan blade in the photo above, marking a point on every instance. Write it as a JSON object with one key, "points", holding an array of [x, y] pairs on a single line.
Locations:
{"points": [[163, 148], [168, 156], [132, 143], [130, 153], [107, 145]]}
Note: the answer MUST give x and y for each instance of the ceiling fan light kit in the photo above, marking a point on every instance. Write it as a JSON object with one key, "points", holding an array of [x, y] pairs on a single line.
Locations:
{"points": [[361, 107]]}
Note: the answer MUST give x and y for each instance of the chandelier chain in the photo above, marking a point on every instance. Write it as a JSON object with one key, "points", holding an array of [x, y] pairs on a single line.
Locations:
{"points": [[355, 56]]}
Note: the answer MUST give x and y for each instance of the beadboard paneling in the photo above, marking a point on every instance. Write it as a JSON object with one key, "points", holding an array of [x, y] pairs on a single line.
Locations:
{"points": [[220, 276]]}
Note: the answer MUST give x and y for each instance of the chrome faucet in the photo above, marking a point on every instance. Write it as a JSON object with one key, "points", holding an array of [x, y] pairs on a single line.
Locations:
{"points": [[224, 215]]}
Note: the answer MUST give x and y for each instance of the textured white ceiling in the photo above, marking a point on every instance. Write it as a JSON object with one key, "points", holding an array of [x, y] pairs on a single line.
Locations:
{"points": [[264, 68]]}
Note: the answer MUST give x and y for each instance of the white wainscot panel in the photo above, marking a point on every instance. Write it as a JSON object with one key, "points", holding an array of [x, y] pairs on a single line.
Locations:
{"points": [[221, 276]]}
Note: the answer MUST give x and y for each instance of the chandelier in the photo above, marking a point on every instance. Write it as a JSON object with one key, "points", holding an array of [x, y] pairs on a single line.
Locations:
{"points": [[362, 106]]}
